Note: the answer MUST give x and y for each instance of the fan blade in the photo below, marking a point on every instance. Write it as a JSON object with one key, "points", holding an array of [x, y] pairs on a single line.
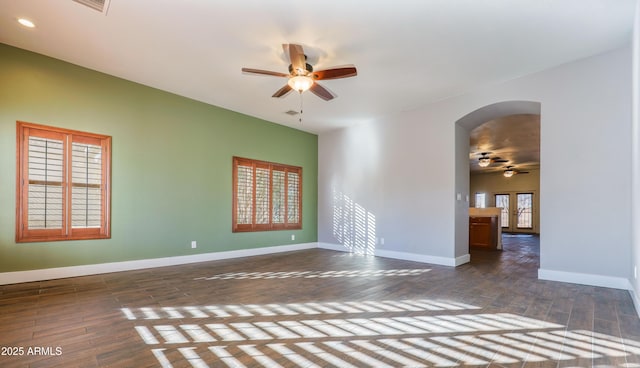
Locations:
{"points": [[522, 172], [336, 72], [321, 92], [296, 56], [499, 160], [283, 91], [264, 72]]}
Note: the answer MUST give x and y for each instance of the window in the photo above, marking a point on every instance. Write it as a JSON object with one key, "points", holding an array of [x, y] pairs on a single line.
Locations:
{"points": [[266, 196], [480, 200], [62, 184]]}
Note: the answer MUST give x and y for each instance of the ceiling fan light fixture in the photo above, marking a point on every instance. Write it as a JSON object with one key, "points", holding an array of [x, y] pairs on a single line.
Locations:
{"points": [[300, 83], [484, 161], [508, 173], [26, 22]]}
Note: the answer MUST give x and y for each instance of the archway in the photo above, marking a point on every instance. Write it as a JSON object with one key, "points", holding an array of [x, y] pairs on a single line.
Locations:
{"points": [[462, 170]]}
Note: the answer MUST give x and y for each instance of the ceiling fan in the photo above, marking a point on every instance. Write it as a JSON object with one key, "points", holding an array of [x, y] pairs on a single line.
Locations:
{"points": [[485, 160], [510, 171], [301, 75]]}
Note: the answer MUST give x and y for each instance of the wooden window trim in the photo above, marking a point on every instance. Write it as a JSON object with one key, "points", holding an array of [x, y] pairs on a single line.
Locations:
{"points": [[270, 226], [67, 232]]}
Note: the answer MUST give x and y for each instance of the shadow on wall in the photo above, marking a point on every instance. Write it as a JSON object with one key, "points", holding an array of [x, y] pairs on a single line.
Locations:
{"points": [[353, 226]]}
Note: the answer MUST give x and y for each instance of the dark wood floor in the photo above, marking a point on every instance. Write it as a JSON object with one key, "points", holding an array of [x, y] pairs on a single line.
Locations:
{"points": [[320, 308]]}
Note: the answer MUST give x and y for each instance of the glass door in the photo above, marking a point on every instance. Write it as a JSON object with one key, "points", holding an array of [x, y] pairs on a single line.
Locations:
{"points": [[524, 211], [517, 211], [502, 201]]}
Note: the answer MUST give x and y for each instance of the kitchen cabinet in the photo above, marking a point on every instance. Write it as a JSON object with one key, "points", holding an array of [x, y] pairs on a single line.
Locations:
{"points": [[483, 231]]}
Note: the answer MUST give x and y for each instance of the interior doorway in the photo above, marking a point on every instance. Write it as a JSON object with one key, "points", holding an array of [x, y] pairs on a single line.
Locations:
{"points": [[509, 178], [508, 181]]}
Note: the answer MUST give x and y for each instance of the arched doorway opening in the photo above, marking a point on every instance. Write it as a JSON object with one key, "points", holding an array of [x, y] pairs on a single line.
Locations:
{"points": [[490, 188]]}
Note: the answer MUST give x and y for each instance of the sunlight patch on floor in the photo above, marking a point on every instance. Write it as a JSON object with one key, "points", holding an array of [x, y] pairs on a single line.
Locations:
{"points": [[313, 274], [445, 340], [292, 309]]}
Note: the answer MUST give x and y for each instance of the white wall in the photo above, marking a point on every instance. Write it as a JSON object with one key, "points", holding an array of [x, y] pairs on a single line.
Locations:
{"points": [[494, 183], [403, 168], [635, 169], [585, 182], [383, 171]]}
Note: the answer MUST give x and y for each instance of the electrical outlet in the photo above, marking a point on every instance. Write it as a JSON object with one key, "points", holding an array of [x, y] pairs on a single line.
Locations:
{"points": [[194, 244], [293, 236]]}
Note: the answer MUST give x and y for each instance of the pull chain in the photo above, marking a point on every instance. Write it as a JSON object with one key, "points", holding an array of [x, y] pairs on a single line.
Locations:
{"points": [[300, 118]]}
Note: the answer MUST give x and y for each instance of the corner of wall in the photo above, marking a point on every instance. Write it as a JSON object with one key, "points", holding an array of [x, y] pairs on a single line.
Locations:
{"points": [[635, 163]]}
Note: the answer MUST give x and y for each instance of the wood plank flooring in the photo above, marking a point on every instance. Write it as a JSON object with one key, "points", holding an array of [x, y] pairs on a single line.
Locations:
{"points": [[320, 308]]}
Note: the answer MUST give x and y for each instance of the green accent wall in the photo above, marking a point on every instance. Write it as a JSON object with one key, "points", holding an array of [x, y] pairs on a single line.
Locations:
{"points": [[171, 164]]}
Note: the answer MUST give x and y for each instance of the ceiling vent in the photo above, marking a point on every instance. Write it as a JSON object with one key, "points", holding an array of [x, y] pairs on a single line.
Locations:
{"points": [[100, 5]]}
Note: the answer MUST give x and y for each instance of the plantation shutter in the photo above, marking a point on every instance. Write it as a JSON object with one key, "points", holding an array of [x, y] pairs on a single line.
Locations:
{"points": [[278, 208], [63, 192], [263, 181], [244, 201], [293, 194], [45, 179], [86, 191], [266, 196]]}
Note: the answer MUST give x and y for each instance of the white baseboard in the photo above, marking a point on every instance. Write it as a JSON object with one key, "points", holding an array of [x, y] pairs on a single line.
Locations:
{"points": [[422, 258], [463, 259], [634, 298], [585, 279], [443, 261], [94, 269]]}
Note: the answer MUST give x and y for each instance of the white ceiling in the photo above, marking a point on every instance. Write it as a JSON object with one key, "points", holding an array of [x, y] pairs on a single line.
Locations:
{"points": [[408, 53]]}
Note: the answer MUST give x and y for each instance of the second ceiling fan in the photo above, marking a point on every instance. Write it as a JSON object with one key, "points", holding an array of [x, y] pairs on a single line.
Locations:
{"points": [[510, 171], [485, 160], [301, 75]]}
